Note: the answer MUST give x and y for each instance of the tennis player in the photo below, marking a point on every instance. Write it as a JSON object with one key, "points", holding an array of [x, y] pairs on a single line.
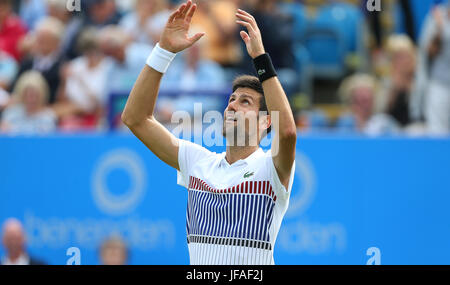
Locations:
{"points": [[237, 199]]}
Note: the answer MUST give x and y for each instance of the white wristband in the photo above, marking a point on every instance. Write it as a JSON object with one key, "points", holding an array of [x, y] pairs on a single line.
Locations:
{"points": [[160, 59]]}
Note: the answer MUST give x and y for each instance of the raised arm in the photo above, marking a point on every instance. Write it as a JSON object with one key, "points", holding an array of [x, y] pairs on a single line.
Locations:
{"points": [[138, 112], [285, 131]]}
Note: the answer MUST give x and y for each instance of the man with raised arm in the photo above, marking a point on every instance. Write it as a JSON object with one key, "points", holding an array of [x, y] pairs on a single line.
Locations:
{"points": [[237, 199]]}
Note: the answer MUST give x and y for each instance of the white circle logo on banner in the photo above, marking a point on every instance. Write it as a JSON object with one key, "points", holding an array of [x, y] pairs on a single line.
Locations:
{"points": [[118, 204]]}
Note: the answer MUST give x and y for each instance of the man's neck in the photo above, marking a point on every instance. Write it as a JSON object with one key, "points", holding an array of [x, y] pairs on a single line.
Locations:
{"points": [[235, 153]]}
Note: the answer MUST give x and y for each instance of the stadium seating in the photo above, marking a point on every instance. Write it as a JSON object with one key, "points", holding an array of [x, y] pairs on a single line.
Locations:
{"points": [[331, 36]]}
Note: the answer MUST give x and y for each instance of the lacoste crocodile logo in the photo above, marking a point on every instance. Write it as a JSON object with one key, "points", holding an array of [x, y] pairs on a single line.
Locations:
{"points": [[248, 174]]}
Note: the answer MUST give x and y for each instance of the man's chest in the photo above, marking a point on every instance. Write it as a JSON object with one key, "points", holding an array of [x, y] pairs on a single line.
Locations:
{"points": [[221, 176]]}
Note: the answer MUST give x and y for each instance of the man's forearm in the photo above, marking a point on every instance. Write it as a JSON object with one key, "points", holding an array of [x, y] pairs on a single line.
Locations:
{"points": [[277, 100], [142, 100], [284, 142]]}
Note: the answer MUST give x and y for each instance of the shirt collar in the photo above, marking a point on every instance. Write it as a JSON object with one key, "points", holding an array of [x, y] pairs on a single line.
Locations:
{"points": [[246, 161]]}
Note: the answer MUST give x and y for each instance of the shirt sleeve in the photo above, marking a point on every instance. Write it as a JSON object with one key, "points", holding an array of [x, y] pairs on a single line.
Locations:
{"points": [[188, 155], [279, 189]]}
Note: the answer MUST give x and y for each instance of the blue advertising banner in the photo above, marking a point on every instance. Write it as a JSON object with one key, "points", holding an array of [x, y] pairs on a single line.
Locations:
{"points": [[354, 200]]}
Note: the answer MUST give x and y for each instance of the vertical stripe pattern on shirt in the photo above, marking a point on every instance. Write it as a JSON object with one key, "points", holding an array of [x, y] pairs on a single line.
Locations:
{"points": [[230, 226]]}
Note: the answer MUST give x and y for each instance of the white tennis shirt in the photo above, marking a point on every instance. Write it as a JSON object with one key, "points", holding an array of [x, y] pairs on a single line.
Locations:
{"points": [[234, 212]]}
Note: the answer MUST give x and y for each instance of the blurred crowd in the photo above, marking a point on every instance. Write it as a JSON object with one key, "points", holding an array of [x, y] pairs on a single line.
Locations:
{"points": [[344, 68], [113, 250]]}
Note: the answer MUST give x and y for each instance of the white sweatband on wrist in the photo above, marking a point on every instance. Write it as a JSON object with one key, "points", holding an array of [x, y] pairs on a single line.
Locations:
{"points": [[160, 59]]}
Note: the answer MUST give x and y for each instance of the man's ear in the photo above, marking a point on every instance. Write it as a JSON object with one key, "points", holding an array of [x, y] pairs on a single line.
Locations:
{"points": [[269, 121], [265, 122]]}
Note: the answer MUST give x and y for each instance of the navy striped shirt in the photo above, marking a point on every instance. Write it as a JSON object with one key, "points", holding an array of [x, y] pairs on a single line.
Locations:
{"points": [[234, 212]]}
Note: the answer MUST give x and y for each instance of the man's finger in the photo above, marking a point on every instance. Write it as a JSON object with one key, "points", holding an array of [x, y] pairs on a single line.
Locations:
{"points": [[247, 25], [180, 10], [247, 19], [190, 13], [196, 37], [244, 17], [186, 8], [246, 14], [173, 16], [245, 37]]}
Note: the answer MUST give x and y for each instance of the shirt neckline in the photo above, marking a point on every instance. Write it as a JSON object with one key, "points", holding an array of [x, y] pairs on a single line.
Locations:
{"points": [[241, 161]]}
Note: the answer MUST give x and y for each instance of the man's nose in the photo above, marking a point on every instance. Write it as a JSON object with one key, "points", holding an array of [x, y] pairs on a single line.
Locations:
{"points": [[232, 106]]}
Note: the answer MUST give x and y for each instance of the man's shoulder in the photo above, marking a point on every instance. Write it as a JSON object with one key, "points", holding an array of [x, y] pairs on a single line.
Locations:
{"points": [[195, 147]]}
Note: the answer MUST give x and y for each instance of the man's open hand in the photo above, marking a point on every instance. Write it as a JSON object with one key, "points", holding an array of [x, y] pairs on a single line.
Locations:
{"points": [[252, 39], [174, 37]]}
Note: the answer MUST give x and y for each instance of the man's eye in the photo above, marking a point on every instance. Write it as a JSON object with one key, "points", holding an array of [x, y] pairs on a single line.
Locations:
{"points": [[246, 102]]}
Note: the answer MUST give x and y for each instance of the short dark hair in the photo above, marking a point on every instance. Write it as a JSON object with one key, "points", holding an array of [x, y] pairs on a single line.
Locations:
{"points": [[252, 82]]}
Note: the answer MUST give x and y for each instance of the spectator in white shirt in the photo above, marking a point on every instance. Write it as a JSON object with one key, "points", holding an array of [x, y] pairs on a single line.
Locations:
{"points": [[128, 57], [434, 50], [193, 72], [29, 112], [359, 92], [85, 83], [147, 20]]}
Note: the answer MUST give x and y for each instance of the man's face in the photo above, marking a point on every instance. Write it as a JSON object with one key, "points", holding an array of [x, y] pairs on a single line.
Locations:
{"points": [[101, 11], [145, 7], [114, 255], [362, 102], [241, 116], [46, 43], [14, 240], [404, 61], [31, 99], [109, 48]]}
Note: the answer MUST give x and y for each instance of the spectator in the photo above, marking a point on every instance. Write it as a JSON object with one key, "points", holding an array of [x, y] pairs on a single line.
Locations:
{"points": [[128, 58], [12, 30], [4, 101], [433, 81], [45, 55], [381, 27], [358, 93], [73, 26], [125, 6], [114, 251], [398, 83], [161, 13], [146, 22], [217, 19], [276, 26], [312, 120], [8, 70], [194, 72], [13, 238], [32, 12], [85, 84], [102, 13], [29, 112]]}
